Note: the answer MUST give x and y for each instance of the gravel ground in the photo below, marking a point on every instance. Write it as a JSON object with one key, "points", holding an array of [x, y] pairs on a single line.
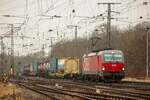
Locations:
{"points": [[12, 92]]}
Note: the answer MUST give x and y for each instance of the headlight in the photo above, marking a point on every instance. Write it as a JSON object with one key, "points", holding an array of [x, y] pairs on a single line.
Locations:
{"points": [[123, 68], [103, 68]]}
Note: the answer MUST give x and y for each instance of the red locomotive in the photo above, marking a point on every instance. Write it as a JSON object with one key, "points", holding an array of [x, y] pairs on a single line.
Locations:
{"points": [[104, 65]]}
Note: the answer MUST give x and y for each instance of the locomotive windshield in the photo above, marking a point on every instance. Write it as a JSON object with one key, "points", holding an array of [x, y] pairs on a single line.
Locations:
{"points": [[113, 57]]}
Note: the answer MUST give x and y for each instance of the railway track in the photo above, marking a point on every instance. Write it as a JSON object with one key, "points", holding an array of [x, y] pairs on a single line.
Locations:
{"points": [[91, 90], [123, 84], [136, 94], [83, 95], [52, 93]]}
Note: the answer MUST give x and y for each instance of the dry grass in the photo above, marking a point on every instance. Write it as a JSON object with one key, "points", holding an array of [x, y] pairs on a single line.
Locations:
{"points": [[7, 89], [137, 79]]}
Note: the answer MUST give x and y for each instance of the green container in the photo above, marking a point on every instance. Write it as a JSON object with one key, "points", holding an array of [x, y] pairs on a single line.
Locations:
{"points": [[34, 66]]}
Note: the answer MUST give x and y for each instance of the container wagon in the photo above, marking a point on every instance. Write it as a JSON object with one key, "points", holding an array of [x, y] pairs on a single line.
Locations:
{"points": [[64, 68], [71, 68]]}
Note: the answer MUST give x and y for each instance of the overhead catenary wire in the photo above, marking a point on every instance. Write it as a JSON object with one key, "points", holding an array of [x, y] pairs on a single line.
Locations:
{"points": [[59, 22], [135, 19]]}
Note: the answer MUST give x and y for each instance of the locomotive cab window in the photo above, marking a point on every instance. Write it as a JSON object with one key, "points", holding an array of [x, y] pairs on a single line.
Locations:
{"points": [[113, 57], [118, 57], [108, 57]]}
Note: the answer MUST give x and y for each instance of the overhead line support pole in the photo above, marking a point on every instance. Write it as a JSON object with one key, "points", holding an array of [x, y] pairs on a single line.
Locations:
{"points": [[108, 22], [12, 50], [2, 54], [51, 41], [76, 32], [147, 53]]}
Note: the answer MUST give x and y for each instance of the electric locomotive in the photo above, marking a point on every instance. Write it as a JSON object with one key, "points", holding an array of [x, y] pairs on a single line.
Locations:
{"points": [[104, 65]]}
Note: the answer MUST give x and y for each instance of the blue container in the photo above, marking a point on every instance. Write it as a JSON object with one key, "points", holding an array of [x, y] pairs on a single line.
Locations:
{"points": [[61, 63], [34, 66], [53, 65]]}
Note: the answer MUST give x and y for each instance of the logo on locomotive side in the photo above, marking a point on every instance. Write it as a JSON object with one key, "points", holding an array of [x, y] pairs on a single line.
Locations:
{"points": [[114, 65]]}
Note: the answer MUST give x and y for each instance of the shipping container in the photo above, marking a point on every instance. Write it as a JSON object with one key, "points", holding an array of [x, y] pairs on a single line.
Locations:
{"points": [[34, 66], [26, 69], [61, 63], [60, 68], [54, 64], [48, 65], [39, 66], [43, 65], [43, 68]]}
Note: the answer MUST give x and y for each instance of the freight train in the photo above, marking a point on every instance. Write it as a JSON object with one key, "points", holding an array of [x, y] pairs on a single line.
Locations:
{"points": [[105, 65]]}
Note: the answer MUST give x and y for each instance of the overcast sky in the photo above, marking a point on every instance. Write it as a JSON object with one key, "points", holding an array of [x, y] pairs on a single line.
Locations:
{"points": [[37, 25]]}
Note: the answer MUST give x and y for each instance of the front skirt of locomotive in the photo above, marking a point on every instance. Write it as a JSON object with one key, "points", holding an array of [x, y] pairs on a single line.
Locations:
{"points": [[113, 75]]}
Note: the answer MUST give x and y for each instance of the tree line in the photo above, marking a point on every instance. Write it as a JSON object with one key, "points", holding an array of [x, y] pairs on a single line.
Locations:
{"points": [[132, 41]]}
